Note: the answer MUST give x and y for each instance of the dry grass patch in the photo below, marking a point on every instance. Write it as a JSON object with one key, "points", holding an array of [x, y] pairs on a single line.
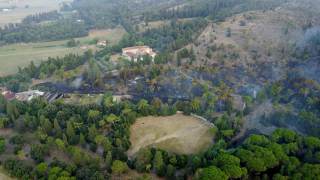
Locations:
{"points": [[178, 133]]}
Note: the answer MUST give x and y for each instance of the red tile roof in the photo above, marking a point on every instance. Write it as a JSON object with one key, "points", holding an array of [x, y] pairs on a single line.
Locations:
{"points": [[8, 95]]}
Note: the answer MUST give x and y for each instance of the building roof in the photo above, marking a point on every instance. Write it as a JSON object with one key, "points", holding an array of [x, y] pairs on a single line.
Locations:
{"points": [[8, 95], [28, 95], [135, 47]]}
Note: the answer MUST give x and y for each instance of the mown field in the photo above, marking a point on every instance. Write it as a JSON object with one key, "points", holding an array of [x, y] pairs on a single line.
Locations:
{"points": [[178, 133], [20, 55], [24, 8]]}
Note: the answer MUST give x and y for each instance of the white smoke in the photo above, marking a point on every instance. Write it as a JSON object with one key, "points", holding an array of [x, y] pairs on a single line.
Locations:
{"points": [[311, 37], [77, 82]]}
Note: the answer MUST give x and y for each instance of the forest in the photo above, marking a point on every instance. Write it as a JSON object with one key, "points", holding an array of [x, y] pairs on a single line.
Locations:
{"points": [[79, 131]]}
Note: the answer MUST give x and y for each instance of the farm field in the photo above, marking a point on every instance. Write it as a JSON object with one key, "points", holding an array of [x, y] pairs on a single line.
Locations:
{"points": [[20, 55], [178, 133], [23, 8]]}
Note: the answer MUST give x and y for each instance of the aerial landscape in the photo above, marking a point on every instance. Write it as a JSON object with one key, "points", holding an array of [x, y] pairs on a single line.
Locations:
{"points": [[159, 89]]}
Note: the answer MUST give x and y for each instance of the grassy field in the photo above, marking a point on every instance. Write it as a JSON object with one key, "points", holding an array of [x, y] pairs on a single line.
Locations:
{"points": [[20, 11], [15, 55], [178, 133]]}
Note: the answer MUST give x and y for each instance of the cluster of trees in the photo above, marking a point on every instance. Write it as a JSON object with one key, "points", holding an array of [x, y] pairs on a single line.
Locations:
{"points": [[283, 155], [185, 53], [99, 13], [92, 15], [173, 36], [30, 32], [215, 9], [301, 94], [53, 66], [166, 39], [78, 131], [38, 18], [96, 137]]}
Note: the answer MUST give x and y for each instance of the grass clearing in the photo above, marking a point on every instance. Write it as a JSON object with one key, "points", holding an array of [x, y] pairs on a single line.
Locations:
{"points": [[15, 55], [113, 36], [178, 133]]}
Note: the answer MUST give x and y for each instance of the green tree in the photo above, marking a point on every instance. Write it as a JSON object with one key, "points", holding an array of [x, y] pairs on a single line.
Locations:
{"points": [[70, 132], [82, 140], [170, 171], [143, 107], [92, 132], [103, 141], [60, 144], [195, 105], [4, 122], [57, 129], [211, 173], [12, 111], [3, 103], [72, 43], [2, 145], [158, 163], [143, 160], [230, 165], [108, 159], [119, 167], [46, 124], [42, 169], [38, 152], [94, 116], [112, 118]]}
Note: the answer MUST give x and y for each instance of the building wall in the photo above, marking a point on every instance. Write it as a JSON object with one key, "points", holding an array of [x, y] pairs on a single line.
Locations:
{"points": [[139, 51]]}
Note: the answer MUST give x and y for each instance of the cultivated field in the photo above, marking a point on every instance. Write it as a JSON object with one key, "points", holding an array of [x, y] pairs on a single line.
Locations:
{"points": [[23, 8], [178, 133], [15, 55]]}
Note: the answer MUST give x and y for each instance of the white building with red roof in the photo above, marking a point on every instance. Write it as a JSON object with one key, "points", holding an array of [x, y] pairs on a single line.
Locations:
{"points": [[137, 52]]}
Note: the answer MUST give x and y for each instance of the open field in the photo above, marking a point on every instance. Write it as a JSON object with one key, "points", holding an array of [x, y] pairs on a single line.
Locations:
{"points": [[111, 35], [16, 14], [178, 133], [15, 55], [12, 56]]}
